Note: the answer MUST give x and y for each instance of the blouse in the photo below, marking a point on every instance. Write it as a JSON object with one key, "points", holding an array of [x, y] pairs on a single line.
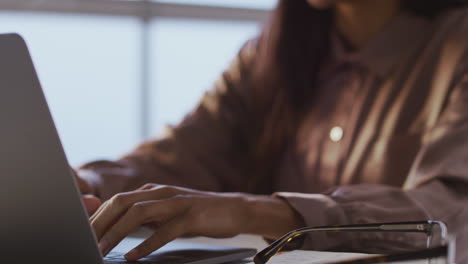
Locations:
{"points": [[386, 141]]}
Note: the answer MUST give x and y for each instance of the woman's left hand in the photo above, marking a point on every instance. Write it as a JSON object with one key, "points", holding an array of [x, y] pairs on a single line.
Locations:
{"points": [[173, 212]]}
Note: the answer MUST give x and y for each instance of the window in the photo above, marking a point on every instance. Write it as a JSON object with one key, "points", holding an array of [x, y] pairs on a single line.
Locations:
{"points": [[260, 4], [88, 67], [90, 57], [188, 57]]}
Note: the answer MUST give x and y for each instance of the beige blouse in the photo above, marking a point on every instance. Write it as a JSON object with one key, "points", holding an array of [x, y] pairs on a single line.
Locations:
{"points": [[387, 142]]}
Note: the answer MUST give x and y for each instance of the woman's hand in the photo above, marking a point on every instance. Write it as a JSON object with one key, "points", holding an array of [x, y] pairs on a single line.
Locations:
{"points": [[173, 212], [91, 202]]}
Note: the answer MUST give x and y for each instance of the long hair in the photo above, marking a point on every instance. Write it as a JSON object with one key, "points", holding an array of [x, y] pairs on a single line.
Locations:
{"points": [[291, 50]]}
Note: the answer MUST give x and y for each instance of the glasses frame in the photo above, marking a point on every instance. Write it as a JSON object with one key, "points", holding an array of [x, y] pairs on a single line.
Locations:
{"points": [[411, 227]]}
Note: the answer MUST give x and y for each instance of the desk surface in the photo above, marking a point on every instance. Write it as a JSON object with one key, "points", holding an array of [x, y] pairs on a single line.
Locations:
{"points": [[257, 242]]}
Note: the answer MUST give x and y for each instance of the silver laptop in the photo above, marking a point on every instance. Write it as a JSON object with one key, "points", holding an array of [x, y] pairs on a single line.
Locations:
{"points": [[42, 219]]}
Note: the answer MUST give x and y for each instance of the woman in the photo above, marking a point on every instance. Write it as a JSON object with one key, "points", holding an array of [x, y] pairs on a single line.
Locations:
{"points": [[347, 111]]}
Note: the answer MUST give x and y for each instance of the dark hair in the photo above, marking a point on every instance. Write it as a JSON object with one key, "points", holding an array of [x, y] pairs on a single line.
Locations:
{"points": [[291, 51]]}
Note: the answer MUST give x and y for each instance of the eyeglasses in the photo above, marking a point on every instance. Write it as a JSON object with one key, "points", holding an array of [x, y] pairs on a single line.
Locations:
{"points": [[426, 227]]}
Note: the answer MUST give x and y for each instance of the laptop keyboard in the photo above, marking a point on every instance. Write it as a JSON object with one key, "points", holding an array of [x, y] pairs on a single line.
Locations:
{"points": [[181, 253], [117, 258]]}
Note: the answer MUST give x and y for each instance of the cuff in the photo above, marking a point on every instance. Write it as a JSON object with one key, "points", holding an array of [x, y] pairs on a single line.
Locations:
{"points": [[317, 210]]}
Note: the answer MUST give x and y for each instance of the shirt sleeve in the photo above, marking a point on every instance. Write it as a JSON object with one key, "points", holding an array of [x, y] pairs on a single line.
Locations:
{"points": [[436, 188], [206, 151]]}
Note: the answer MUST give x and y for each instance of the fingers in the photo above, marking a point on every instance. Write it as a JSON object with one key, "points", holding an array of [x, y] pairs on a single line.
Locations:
{"points": [[91, 203], [114, 208], [119, 204], [151, 204], [130, 221], [139, 214], [165, 234], [149, 186]]}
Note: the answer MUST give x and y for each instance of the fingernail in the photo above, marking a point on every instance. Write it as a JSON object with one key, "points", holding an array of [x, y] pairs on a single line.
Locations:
{"points": [[132, 255]]}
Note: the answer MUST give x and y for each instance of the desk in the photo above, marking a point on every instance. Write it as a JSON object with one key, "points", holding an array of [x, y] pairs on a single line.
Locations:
{"points": [[257, 242]]}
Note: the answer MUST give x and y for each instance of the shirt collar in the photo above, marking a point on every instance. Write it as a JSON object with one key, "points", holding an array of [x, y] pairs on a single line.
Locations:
{"points": [[398, 40]]}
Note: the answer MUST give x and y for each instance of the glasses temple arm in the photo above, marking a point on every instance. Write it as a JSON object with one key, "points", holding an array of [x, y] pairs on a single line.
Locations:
{"points": [[423, 226]]}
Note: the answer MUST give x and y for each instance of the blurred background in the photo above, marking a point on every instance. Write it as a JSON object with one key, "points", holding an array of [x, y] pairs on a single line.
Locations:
{"points": [[116, 72]]}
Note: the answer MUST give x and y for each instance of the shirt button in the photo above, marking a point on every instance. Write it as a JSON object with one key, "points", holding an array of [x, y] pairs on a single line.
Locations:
{"points": [[336, 134]]}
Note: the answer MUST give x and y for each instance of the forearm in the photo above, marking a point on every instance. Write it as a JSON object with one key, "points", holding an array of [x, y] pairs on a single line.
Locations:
{"points": [[358, 204], [158, 161]]}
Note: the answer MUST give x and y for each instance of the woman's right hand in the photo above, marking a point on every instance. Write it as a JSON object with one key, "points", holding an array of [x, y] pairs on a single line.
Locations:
{"points": [[175, 211]]}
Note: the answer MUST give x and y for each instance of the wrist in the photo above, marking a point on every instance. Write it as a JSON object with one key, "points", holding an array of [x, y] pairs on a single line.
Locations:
{"points": [[270, 217]]}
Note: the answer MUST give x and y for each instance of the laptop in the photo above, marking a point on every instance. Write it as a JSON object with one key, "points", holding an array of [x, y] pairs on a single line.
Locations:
{"points": [[42, 218]]}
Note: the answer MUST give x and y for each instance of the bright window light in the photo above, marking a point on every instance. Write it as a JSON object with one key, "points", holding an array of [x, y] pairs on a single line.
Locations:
{"points": [[189, 55], [89, 70], [258, 4]]}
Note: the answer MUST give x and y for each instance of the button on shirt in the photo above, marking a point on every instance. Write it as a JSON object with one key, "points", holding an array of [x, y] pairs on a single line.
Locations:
{"points": [[387, 141], [336, 134]]}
